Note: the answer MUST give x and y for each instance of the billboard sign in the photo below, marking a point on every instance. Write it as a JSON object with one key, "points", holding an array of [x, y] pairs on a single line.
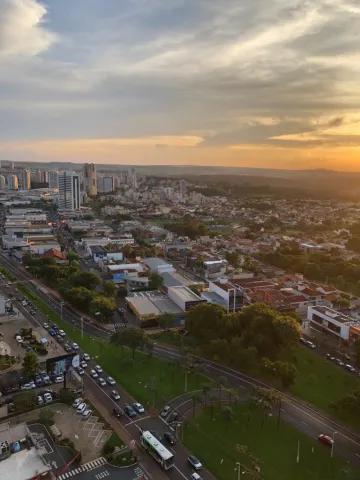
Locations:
{"points": [[64, 363]]}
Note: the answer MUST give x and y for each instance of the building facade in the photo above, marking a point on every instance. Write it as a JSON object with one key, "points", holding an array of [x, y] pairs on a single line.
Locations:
{"points": [[69, 191], [90, 179]]}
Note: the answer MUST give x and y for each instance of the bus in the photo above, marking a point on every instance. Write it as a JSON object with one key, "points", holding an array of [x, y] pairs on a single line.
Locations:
{"points": [[157, 450]]}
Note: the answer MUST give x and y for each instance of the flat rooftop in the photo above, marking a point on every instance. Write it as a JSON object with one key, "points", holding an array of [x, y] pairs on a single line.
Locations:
{"points": [[23, 465], [185, 293], [334, 314], [143, 305]]}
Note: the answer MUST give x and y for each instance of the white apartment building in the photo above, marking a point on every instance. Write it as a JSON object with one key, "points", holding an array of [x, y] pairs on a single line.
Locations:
{"points": [[69, 191], [330, 321], [53, 179], [13, 182]]}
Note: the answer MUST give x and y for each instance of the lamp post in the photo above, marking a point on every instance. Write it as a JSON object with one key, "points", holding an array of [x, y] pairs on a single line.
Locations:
{"points": [[238, 469], [333, 443]]}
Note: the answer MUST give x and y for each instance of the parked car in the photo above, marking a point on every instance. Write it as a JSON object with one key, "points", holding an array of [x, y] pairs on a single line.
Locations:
{"points": [[98, 369], [77, 402], [81, 408], [130, 412], [46, 325], [115, 395], [52, 332], [138, 407], [325, 439], [67, 347], [59, 379], [44, 376], [75, 346], [93, 373], [32, 312], [102, 382], [169, 437], [117, 412], [80, 370], [48, 397], [339, 362], [165, 411], [19, 339], [195, 476], [86, 414], [28, 386], [194, 462], [62, 333], [172, 417], [350, 368], [39, 400], [310, 344], [110, 381], [86, 357]]}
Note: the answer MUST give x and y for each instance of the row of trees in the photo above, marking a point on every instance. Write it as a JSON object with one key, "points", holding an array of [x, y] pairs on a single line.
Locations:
{"points": [[76, 287], [258, 339]]}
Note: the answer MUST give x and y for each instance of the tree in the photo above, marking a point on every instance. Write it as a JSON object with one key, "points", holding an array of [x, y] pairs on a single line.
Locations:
{"points": [[206, 388], [212, 399], [80, 297], [155, 281], [204, 322], [130, 337], [102, 307], [166, 321], [85, 279], [227, 413], [232, 395], [286, 372], [221, 383], [109, 288], [357, 351], [349, 403], [30, 364], [232, 258], [128, 251], [25, 400], [72, 256]]}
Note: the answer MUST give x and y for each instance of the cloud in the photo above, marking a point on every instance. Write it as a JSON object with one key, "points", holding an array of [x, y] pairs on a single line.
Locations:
{"points": [[21, 29], [227, 75]]}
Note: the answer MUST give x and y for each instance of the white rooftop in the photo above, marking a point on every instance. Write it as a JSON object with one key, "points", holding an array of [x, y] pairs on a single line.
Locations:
{"points": [[23, 465]]}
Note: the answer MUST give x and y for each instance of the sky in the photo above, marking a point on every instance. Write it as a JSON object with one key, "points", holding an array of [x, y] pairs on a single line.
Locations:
{"points": [[255, 83]]}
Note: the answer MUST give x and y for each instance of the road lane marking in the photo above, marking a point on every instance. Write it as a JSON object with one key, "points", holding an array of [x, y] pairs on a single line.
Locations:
{"points": [[138, 420], [304, 423], [180, 472]]}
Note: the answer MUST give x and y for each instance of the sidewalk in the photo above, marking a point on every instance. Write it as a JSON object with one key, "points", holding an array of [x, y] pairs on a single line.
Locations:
{"points": [[146, 462]]}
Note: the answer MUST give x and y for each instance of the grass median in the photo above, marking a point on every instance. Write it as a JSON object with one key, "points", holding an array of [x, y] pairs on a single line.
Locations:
{"points": [[148, 379], [220, 443]]}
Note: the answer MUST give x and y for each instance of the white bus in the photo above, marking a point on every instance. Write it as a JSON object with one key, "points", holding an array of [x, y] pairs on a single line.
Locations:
{"points": [[157, 450]]}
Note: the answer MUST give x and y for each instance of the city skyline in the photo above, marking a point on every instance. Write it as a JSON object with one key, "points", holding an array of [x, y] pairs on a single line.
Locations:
{"points": [[250, 85]]}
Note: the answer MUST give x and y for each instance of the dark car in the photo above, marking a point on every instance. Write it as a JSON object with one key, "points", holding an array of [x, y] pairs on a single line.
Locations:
{"points": [[117, 412], [155, 434], [169, 437], [172, 417], [130, 412], [67, 347]]}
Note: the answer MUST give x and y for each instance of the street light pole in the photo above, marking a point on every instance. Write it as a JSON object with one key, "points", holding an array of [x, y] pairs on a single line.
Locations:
{"points": [[82, 328], [185, 380], [333, 443], [61, 309], [238, 468]]}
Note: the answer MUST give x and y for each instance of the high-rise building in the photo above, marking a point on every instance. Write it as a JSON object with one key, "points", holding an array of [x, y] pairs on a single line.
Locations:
{"points": [[108, 184], [182, 188], [8, 164], [39, 176], [53, 179], [25, 180], [132, 179], [90, 183], [2, 182], [13, 182], [69, 191]]}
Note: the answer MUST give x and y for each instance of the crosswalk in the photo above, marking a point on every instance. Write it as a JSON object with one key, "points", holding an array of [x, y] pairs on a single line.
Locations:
{"points": [[120, 325], [83, 468]]}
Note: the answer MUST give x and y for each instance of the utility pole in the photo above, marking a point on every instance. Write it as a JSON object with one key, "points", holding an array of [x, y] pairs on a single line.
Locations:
{"points": [[333, 444], [82, 328], [238, 469]]}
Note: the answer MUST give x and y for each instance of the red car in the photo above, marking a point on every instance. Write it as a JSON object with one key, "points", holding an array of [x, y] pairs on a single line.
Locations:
{"points": [[325, 439]]}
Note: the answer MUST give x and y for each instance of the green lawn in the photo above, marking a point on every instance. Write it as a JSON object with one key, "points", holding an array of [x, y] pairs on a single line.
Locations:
{"points": [[216, 442], [138, 377]]}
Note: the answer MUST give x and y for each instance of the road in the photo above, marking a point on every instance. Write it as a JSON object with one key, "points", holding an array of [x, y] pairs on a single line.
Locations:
{"points": [[302, 417]]}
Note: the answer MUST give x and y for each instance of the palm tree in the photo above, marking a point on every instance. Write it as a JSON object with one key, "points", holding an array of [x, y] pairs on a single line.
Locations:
{"points": [[221, 382], [206, 389], [232, 395], [227, 413], [213, 398], [195, 398]]}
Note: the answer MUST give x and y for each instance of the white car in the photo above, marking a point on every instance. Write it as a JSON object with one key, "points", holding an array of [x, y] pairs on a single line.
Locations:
{"points": [[75, 346], [98, 369], [77, 402], [86, 357], [93, 374], [62, 333], [80, 371], [46, 325], [110, 381], [195, 476], [350, 368], [48, 397], [83, 364], [138, 407], [81, 408], [28, 386], [59, 379], [102, 382], [86, 414], [19, 339], [165, 411], [39, 400]]}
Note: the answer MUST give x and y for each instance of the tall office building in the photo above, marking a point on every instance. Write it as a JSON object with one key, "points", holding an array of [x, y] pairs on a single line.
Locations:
{"points": [[53, 179], [13, 182], [69, 191], [2, 182], [182, 188], [108, 184], [39, 176], [132, 179], [25, 180], [90, 183]]}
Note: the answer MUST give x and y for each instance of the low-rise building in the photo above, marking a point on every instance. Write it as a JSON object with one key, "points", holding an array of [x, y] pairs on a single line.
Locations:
{"points": [[184, 297], [334, 323]]}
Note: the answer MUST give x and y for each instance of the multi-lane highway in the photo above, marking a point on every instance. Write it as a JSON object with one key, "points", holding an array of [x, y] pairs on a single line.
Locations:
{"points": [[293, 411]]}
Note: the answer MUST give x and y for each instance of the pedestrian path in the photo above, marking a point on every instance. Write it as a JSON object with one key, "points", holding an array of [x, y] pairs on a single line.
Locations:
{"points": [[83, 468]]}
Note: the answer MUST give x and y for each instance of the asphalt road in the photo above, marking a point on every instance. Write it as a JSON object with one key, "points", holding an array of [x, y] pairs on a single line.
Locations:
{"points": [[302, 417]]}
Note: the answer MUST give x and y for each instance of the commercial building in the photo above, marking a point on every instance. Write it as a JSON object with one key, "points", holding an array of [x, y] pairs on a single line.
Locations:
{"points": [[25, 179], [184, 297], [214, 269], [158, 265], [13, 182], [331, 322], [230, 296], [108, 185], [69, 191], [54, 179], [90, 179], [148, 306]]}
